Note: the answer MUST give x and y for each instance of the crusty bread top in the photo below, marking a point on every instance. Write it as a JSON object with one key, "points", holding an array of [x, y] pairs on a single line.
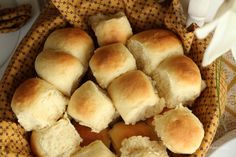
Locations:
{"points": [[180, 130], [90, 106], [110, 61], [157, 39], [28, 93], [60, 69], [73, 41], [126, 86], [109, 58], [111, 28], [183, 69], [59, 60]]}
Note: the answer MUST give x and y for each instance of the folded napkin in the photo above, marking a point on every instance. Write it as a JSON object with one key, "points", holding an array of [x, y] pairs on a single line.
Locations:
{"points": [[219, 18], [223, 28], [11, 19]]}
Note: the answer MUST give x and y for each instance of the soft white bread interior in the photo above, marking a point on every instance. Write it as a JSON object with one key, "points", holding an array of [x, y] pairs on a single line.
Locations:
{"points": [[111, 28], [121, 131], [108, 62], [138, 146], [153, 46], [61, 139], [37, 104], [180, 130], [94, 149], [62, 70], [91, 107], [73, 41], [133, 95], [178, 80]]}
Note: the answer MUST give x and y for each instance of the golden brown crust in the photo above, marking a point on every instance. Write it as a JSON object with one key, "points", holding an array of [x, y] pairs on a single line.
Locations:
{"points": [[27, 92], [57, 59], [183, 130], [71, 35], [180, 130], [108, 58], [158, 39], [85, 105], [126, 85], [183, 69], [34, 144]]}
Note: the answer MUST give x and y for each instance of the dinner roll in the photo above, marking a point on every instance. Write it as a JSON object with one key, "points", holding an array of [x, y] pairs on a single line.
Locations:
{"points": [[121, 131], [180, 130], [60, 139], [73, 41], [153, 46], [133, 96], [178, 80], [37, 104], [138, 146], [111, 29], [60, 69], [110, 61], [88, 136], [90, 106], [95, 149]]}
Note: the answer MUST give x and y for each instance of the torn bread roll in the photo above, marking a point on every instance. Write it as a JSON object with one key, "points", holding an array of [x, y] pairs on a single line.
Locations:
{"points": [[37, 104], [91, 107], [108, 62], [121, 131], [73, 41], [94, 149], [62, 70], [180, 130], [153, 46], [178, 80], [134, 96], [138, 146], [111, 28], [61, 139]]}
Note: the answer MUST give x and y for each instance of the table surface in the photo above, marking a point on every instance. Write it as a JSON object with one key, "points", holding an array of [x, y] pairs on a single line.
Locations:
{"points": [[228, 120]]}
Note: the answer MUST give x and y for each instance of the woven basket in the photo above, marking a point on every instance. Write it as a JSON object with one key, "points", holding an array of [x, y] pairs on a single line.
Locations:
{"points": [[142, 15]]}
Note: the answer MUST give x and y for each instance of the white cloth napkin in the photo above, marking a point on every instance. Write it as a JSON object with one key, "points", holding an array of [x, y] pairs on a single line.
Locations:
{"points": [[220, 19]]}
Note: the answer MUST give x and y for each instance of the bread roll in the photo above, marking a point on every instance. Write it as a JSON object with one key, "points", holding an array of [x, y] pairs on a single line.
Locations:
{"points": [[37, 104], [73, 41], [120, 131], [60, 139], [95, 149], [88, 136], [138, 146], [153, 46], [110, 61], [180, 130], [90, 106], [111, 29], [133, 96], [60, 69], [178, 80]]}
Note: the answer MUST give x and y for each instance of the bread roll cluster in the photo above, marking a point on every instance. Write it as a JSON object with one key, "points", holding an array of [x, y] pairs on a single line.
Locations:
{"points": [[136, 105]]}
